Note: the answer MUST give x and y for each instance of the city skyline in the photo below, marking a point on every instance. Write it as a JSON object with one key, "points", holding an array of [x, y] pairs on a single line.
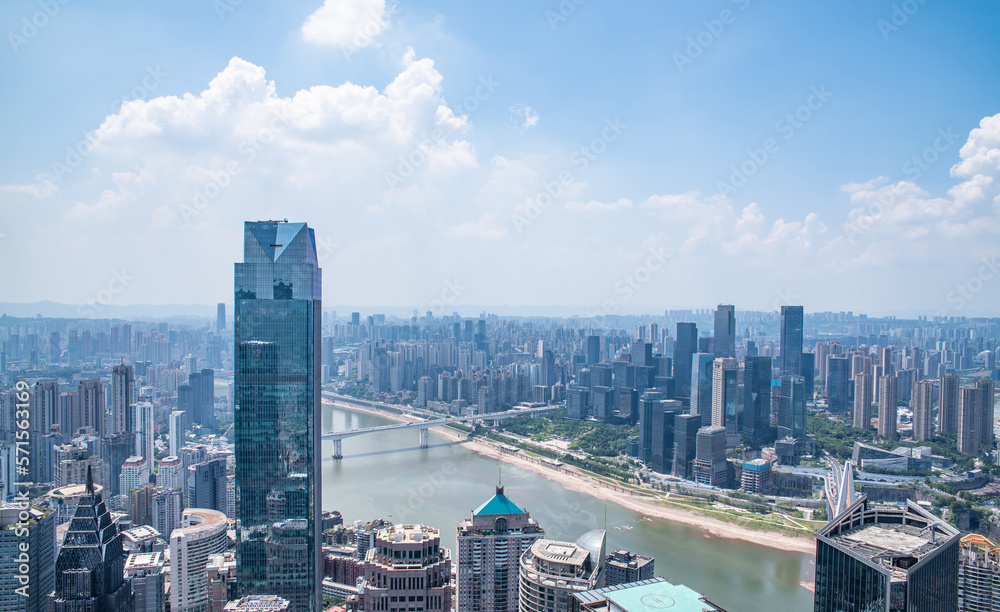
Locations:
{"points": [[898, 178]]}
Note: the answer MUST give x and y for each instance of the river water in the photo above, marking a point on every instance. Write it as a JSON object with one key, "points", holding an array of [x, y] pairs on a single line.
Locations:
{"points": [[385, 474]]}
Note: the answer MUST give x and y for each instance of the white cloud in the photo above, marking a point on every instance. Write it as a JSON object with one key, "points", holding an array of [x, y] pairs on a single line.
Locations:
{"points": [[522, 117], [42, 188], [352, 24]]}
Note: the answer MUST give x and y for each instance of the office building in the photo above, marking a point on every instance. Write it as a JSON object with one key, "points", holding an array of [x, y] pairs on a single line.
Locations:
{"points": [[725, 386], [593, 349], [407, 564], [201, 533], [756, 477], [923, 410], [837, 388], [551, 571], [277, 428], [710, 466], [623, 567], [864, 396], [702, 367], [884, 558], [969, 420], [642, 596], [91, 405], [220, 318], [147, 573], [686, 428], [26, 591], [663, 413], [140, 505], [792, 408], [978, 574], [90, 567], [757, 401], [122, 399], [206, 485], [685, 347], [792, 320], [948, 404], [725, 332], [489, 546]]}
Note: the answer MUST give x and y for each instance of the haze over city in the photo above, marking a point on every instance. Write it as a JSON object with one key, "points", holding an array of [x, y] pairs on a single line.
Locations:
{"points": [[536, 154]]}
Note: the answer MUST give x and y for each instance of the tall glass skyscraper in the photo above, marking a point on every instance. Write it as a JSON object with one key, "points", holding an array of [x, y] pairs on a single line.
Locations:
{"points": [[792, 318], [277, 324]]}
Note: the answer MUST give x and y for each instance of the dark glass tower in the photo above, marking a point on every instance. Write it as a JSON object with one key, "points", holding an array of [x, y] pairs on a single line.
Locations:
{"points": [[757, 401], [91, 564], [791, 340], [277, 323], [684, 348]]}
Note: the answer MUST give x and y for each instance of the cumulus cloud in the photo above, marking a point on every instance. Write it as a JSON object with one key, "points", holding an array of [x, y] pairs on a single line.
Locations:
{"points": [[522, 117], [349, 24]]}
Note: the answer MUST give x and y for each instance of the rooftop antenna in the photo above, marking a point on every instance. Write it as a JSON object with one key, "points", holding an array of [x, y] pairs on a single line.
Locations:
{"points": [[500, 481]]}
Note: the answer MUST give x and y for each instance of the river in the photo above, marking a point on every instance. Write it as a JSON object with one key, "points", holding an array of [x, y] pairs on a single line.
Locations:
{"points": [[385, 474]]}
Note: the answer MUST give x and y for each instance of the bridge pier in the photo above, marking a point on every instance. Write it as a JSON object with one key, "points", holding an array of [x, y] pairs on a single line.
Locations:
{"points": [[423, 437], [337, 448]]}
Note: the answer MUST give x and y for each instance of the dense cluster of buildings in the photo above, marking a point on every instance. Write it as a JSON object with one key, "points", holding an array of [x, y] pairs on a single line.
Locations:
{"points": [[145, 488]]}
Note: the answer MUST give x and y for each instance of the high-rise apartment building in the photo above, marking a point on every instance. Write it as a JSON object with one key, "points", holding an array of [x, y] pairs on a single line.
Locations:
{"points": [[407, 564], [122, 399], [985, 388], [623, 567], [202, 533], [969, 420], [978, 574], [948, 404], [277, 428], [886, 558], [725, 331], [923, 410], [757, 401], [145, 434], [551, 571], [489, 546], [888, 406], [864, 395], [792, 320], [91, 404]]}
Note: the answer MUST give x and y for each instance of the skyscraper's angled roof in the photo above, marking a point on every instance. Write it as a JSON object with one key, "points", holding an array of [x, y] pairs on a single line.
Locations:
{"points": [[498, 504]]}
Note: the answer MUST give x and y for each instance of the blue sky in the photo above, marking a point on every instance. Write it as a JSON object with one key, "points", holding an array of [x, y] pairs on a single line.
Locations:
{"points": [[830, 209]]}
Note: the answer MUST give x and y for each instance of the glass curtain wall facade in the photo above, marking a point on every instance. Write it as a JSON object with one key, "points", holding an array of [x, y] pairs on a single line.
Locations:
{"points": [[277, 325]]}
